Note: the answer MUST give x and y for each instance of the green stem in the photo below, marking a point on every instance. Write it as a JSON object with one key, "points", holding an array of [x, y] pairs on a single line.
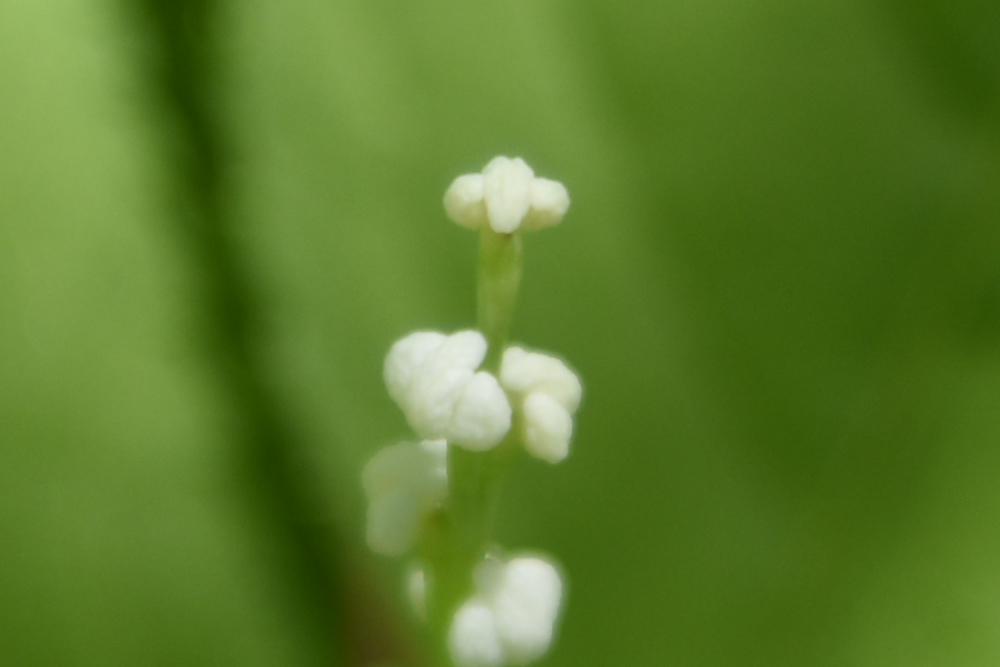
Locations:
{"points": [[458, 537], [499, 279]]}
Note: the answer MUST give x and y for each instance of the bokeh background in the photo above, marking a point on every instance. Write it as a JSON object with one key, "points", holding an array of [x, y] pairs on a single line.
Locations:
{"points": [[779, 280]]}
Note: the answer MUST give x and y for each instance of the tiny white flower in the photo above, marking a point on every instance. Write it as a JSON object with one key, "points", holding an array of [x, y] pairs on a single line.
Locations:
{"points": [[525, 606], [404, 483], [511, 617], [473, 640], [506, 195], [548, 393], [434, 380], [548, 427], [463, 201]]}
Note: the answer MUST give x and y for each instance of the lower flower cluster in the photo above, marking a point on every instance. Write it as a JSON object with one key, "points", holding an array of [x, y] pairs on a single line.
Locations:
{"points": [[450, 402], [510, 618]]}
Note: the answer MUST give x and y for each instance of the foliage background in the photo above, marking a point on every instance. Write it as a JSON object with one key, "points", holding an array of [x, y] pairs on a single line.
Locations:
{"points": [[779, 280]]}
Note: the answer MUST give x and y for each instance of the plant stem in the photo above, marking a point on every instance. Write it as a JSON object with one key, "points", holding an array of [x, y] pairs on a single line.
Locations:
{"points": [[459, 536], [499, 279]]}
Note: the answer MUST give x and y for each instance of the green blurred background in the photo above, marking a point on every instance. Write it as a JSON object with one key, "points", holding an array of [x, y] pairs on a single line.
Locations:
{"points": [[779, 281]]}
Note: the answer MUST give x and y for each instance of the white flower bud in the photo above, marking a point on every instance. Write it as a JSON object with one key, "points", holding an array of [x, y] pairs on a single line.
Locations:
{"points": [[548, 427], [511, 617], [406, 357], [473, 639], [523, 372], [463, 201], [433, 378], [506, 186], [404, 483], [482, 415], [506, 195], [549, 203], [525, 607], [549, 393]]}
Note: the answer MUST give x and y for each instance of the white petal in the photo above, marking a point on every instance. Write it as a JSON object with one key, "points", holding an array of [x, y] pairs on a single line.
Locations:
{"points": [[427, 374], [405, 359], [549, 202], [432, 480], [389, 469], [463, 201], [473, 639], [548, 427], [525, 608], [419, 467], [403, 483], [482, 415], [506, 186], [522, 372], [463, 348], [441, 382], [430, 407]]}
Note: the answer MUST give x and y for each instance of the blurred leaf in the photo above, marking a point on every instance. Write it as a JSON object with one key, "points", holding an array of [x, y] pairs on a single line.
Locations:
{"points": [[778, 280]]}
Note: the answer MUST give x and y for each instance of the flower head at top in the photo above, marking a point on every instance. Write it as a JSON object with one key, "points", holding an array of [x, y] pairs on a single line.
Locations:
{"points": [[506, 195], [433, 378]]}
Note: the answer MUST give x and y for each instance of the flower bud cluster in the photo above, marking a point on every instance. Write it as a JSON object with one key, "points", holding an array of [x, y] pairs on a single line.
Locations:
{"points": [[404, 483], [548, 393], [434, 379], [510, 618], [506, 195]]}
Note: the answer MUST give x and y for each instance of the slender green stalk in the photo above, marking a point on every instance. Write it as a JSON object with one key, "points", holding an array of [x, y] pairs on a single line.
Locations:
{"points": [[499, 279], [460, 535]]}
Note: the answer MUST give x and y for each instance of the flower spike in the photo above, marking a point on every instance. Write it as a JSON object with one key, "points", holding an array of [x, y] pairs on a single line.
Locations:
{"points": [[462, 393], [506, 195]]}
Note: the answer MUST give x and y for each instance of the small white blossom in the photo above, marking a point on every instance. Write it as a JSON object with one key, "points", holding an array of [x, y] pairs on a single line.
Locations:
{"points": [[404, 483], [526, 605], [434, 380], [473, 640], [506, 195], [511, 617], [549, 393]]}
